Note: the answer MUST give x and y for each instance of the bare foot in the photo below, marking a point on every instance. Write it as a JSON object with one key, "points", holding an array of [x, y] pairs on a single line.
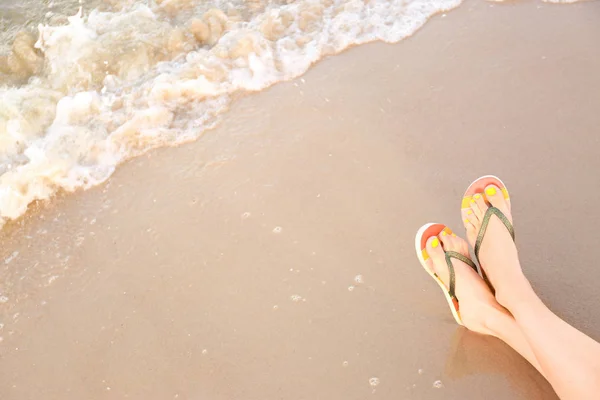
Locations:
{"points": [[498, 254], [477, 306]]}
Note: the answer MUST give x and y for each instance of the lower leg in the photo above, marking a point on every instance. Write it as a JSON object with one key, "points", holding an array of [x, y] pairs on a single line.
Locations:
{"points": [[570, 359], [503, 326]]}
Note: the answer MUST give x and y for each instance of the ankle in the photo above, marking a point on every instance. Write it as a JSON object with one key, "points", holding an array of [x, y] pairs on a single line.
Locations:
{"points": [[519, 292], [496, 321]]}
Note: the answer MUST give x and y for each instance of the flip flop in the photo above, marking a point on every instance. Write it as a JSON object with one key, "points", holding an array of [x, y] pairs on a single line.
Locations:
{"points": [[478, 187], [424, 233]]}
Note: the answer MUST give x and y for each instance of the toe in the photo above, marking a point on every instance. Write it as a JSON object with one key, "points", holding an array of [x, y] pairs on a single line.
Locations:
{"points": [[496, 198], [479, 205], [445, 236], [454, 243], [471, 223], [447, 240], [469, 214], [436, 251], [475, 208], [435, 248]]}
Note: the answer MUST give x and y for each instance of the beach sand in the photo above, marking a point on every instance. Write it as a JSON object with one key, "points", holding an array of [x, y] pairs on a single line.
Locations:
{"points": [[274, 259]]}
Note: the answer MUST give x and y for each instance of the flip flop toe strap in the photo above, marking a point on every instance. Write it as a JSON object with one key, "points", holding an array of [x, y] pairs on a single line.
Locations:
{"points": [[486, 220], [449, 256]]}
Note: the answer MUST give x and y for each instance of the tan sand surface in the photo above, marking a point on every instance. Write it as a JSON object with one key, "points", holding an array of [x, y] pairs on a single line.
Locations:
{"points": [[223, 269]]}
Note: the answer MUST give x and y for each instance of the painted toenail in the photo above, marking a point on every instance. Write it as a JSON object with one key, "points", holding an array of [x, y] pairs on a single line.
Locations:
{"points": [[477, 196], [454, 234], [444, 233], [472, 201], [490, 191], [470, 212], [467, 221], [435, 243]]}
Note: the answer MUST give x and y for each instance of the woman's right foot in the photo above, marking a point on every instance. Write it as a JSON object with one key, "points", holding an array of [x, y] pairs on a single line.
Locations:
{"points": [[498, 255]]}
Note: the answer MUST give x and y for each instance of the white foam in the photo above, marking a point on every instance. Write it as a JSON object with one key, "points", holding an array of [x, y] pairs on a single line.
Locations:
{"points": [[116, 84]]}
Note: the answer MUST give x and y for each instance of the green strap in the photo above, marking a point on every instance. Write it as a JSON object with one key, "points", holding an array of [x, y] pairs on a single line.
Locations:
{"points": [[449, 256], [486, 220]]}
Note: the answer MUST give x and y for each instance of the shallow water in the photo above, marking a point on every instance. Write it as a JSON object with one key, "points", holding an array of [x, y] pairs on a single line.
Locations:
{"points": [[124, 77]]}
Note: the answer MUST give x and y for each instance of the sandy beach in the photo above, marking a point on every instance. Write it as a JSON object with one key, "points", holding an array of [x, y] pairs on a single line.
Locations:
{"points": [[273, 258]]}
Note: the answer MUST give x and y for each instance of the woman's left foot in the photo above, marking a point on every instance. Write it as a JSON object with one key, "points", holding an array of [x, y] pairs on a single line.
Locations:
{"points": [[477, 304]]}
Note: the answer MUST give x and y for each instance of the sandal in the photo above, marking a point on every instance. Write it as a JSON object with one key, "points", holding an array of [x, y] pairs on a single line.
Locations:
{"points": [[478, 188], [423, 234]]}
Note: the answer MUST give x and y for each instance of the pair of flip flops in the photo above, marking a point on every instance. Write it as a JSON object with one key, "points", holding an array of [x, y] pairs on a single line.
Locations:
{"points": [[477, 188]]}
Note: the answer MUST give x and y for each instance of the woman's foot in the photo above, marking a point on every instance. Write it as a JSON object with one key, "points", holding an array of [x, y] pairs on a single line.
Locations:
{"points": [[478, 308], [497, 254]]}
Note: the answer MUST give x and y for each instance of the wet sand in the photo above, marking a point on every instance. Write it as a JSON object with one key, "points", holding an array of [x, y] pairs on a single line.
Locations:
{"points": [[227, 268]]}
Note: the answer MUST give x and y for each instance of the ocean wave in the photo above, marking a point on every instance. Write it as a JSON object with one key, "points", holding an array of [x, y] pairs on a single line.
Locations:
{"points": [[84, 96]]}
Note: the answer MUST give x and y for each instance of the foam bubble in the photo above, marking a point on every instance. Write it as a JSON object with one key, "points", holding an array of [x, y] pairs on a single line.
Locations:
{"points": [[296, 298], [11, 257]]}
